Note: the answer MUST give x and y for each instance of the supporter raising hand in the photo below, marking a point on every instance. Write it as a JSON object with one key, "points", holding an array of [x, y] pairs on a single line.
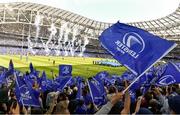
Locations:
{"points": [[127, 101]]}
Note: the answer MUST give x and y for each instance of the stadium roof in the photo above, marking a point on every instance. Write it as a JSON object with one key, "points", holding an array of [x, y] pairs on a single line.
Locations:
{"points": [[167, 27]]}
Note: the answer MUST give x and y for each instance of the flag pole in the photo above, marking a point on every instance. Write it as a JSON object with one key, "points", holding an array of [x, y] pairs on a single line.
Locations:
{"points": [[18, 86], [90, 91], [132, 83]]}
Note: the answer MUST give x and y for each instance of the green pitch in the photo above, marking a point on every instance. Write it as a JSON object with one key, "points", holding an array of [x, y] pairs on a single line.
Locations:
{"points": [[81, 66]]}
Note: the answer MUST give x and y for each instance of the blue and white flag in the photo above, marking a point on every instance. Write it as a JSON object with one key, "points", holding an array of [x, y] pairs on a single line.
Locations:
{"points": [[101, 86], [62, 83], [102, 75], [65, 70], [43, 82], [25, 94], [136, 49], [170, 76], [128, 76], [3, 78], [95, 93]]}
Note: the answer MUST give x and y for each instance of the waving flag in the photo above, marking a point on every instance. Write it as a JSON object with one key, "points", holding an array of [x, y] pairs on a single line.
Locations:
{"points": [[101, 86], [63, 83], [3, 78], [170, 76], [33, 73], [65, 70], [43, 82], [5, 75], [25, 94], [29, 80], [95, 93], [102, 75], [128, 76], [136, 49]]}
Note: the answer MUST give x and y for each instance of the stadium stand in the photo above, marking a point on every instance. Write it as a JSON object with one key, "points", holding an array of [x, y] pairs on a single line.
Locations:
{"points": [[18, 22]]}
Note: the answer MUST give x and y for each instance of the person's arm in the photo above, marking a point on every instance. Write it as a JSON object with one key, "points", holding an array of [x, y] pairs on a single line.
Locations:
{"points": [[163, 101], [138, 105], [160, 97], [127, 101], [107, 107], [127, 104]]}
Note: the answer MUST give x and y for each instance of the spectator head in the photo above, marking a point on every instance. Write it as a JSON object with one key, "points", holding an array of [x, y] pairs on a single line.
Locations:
{"points": [[154, 106], [112, 90], [62, 97]]}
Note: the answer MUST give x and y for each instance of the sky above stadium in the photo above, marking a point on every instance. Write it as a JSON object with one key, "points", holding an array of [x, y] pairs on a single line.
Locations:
{"points": [[113, 10]]}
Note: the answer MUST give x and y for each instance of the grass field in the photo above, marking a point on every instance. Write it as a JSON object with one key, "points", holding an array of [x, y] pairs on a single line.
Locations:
{"points": [[81, 66]]}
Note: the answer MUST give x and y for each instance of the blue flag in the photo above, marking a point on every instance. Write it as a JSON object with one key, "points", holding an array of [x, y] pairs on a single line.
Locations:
{"points": [[3, 78], [95, 93], [43, 82], [170, 76], [128, 76], [33, 72], [136, 49], [65, 70], [25, 94], [63, 83], [101, 86], [102, 75]]}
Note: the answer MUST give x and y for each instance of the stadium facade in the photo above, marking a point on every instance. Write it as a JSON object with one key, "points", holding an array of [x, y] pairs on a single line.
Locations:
{"points": [[18, 22]]}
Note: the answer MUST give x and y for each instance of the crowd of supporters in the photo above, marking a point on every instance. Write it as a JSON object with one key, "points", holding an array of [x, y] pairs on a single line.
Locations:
{"points": [[157, 100]]}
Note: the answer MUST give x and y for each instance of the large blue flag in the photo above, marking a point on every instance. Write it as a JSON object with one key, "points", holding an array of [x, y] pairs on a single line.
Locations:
{"points": [[65, 70], [136, 49], [170, 76], [25, 94]]}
